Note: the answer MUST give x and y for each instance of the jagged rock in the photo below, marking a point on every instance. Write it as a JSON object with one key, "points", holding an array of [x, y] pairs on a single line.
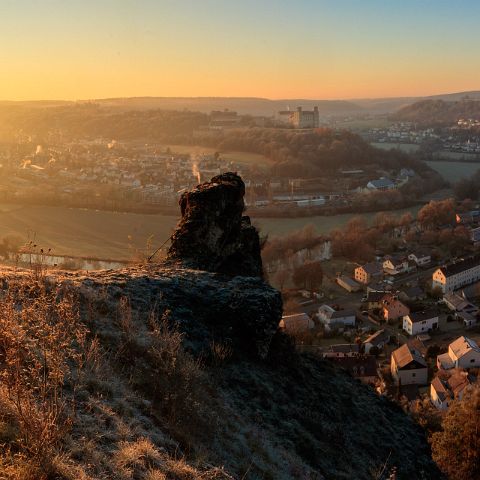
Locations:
{"points": [[212, 234]]}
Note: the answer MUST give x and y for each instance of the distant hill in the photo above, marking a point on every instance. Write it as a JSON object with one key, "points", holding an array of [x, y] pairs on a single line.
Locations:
{"points": [[437, 112], [267, 107], [254, 105], [242, 105]]}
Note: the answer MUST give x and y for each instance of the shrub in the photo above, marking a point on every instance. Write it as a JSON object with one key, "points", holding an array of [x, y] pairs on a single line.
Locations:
{"points": [[41, 340]]}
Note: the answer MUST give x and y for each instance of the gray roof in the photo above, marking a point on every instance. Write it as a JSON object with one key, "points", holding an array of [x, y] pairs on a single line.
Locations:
{"points": [[381, 183], [416, 317], [373, 268]]}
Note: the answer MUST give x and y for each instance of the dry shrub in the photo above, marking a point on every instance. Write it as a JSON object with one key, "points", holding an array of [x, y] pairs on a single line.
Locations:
{"points": [[220, 353], [141, 460], [176, 377], [41, 345]]}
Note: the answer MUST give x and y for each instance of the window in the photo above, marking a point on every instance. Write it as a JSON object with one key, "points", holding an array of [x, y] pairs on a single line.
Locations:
{"points": [[472, 360]]}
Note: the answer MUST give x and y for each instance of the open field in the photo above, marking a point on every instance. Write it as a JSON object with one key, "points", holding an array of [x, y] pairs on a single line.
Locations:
{"points": [[81, 232], [116, 236], [283, 226], [236, 157], [454, 171]]}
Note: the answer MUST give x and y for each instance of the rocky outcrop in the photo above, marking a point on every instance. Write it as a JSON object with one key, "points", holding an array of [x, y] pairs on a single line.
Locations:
{"points": [[243, 312], [213, 234]]}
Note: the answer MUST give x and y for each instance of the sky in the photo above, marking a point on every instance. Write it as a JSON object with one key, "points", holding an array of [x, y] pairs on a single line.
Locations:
{"points": [[319, 49]]}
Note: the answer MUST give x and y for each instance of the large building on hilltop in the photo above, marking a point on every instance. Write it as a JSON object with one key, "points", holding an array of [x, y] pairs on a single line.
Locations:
{"points": [[300, 118], [457, 275]]}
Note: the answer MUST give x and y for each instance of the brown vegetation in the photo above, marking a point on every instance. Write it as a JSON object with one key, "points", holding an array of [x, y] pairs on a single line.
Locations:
{"points": [[456, 447]]}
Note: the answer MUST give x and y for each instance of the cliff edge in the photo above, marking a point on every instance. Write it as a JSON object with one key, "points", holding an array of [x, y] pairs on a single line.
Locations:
{"points": [[186, 375]]}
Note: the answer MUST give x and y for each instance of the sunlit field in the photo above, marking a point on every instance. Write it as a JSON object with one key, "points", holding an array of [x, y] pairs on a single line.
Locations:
{"points": [[119, 236]]}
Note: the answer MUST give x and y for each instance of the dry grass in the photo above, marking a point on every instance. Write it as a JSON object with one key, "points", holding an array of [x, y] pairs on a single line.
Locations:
{"points": [[41, 351], [67, 413]]}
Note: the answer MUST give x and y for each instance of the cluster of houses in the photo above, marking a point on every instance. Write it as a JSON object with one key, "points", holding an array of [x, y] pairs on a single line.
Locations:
{"points": [[138, 172], [448, 140], [376, 275], [408, 366], [444, 380]]}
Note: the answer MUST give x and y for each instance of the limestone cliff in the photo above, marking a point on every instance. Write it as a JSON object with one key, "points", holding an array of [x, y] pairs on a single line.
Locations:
{"points": [[194, 371]]}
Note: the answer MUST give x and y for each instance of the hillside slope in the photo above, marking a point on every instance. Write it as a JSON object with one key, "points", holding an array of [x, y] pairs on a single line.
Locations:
{"points": [[183, 374], [438, 112]]}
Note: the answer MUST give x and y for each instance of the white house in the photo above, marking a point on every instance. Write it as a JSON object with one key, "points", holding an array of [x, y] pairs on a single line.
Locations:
{"points": [[331, 317], [464, 310], [456, 275], [462, 353], [420, 257], [446, 388], [456, 301], [394, 265], [408, 367], [420, 322], [296, 323]]}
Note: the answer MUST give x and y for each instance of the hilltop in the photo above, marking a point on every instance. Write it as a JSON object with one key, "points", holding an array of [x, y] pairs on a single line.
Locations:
{"points": [[177, 370], [438, 113]]}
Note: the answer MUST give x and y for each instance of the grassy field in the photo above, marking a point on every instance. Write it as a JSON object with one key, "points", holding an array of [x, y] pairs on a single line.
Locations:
{"points": [[454, 171], [116, 236], [81, 232], [283, 226], [246, 158]]}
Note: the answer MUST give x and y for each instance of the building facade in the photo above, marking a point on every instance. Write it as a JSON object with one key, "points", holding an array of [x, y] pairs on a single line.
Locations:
{"points": [[420, 322], [457, 275]]}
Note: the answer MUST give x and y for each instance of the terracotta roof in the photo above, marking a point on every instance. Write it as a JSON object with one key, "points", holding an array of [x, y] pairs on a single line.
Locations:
{"points": [[463, 345], [417, 345], [404, 355], [457, 382], [450, 386]]}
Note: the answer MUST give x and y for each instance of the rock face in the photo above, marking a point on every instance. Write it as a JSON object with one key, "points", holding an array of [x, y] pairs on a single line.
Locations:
{"points": [[243, 312], [213, 234]]}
